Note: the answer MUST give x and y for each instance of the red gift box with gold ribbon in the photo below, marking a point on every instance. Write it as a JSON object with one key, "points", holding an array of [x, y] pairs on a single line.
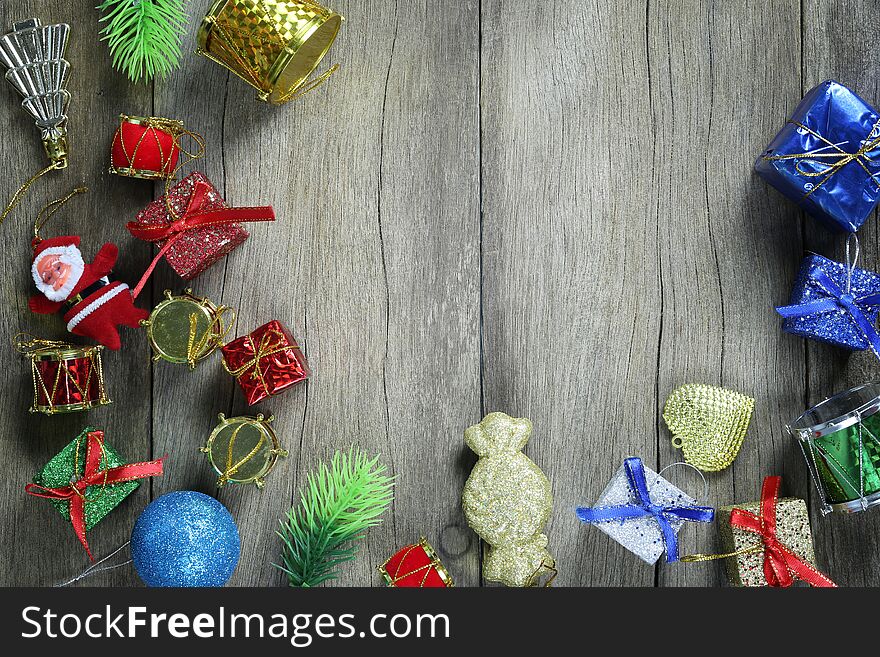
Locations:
{"points": [[416, 566], [266, 361]]}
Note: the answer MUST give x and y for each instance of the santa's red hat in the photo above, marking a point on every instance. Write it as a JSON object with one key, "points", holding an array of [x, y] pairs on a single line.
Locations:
{"points": [[66, 249], [39, 245]]}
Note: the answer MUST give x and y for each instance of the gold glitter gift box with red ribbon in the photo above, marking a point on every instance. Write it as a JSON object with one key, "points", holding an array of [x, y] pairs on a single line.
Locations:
{"points": [[266, 361], [194, 226], [769, 542]]}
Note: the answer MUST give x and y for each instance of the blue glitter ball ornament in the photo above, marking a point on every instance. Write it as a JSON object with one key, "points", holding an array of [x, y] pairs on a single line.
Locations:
{"points": [[185, 538]]}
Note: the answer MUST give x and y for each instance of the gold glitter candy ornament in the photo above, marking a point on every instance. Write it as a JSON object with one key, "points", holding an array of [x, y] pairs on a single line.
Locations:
{"points": [[507, 501], [708, 424], [273, 45]]}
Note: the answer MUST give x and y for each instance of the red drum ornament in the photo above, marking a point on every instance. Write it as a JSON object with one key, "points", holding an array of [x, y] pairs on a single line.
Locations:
{"points": [[146, 147], [67, 378], [416, 566]]}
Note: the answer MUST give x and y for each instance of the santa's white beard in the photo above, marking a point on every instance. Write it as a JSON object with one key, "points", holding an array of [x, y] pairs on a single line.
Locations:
{"points": [[69, 255]]}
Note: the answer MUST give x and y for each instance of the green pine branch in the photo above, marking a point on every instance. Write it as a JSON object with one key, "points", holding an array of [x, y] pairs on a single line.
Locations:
{"points": [[143, 35], [339, 503]]}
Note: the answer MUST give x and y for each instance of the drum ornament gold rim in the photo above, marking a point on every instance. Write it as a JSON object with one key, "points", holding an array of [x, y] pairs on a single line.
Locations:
{"points": [[266, 83], [174, 127], [143, 174], [61, 355], [213, 338], [68, 408], [154, 121], [70, 353], [263, 424]]}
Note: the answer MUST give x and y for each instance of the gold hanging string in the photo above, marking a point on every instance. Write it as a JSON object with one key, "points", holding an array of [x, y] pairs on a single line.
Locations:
{"points": [[191, 156], [51, 208], [308, 86], [543, 566], [19, 193], [27, 344], [837, 158], [695, 558], [196, 345], [231, 468]]}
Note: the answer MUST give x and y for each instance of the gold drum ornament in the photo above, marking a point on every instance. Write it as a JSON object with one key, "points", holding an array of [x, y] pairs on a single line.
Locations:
{"points": [[243, 450], [186, 328], [273, 45]]}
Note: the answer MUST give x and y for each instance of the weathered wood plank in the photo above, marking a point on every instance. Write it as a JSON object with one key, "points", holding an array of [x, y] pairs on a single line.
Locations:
{"points": [[837, 38], [372, 263], [37, 548], [623, 248], [570, 309], [725, 239]]}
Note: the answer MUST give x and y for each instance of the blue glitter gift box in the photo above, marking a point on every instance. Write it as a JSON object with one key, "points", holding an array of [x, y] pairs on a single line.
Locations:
{"points": [[827, 157], [834, 304]]}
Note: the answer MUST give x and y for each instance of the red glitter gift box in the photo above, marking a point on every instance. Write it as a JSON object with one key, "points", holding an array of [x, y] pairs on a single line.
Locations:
{"points": [[416, 566], [197, 248], [266, 362]]}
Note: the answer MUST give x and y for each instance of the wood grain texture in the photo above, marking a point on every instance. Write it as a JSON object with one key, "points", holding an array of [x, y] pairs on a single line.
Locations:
{"points": [[725, 238], [547, 210], [845, 543], [37, 547], [570, 310]]}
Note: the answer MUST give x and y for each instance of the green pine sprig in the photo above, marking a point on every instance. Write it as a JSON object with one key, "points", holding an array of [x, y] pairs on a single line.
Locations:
{"points": [[143, 35], [340, 502]]}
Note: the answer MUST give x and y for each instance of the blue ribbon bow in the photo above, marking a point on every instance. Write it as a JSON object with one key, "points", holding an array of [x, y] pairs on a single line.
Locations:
{"points": [[838, 299], [644, 507]]}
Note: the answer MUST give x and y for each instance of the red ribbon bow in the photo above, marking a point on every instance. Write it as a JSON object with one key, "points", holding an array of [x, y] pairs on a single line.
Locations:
{"points": [[193, 217], [780, 563], [92, 475]]}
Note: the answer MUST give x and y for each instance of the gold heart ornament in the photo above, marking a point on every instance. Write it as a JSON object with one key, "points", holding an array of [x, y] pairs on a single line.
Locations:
{"points": [[708, 424]]}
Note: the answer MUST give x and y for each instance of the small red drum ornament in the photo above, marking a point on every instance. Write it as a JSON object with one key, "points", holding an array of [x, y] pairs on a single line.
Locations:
{"points": [[146, 147], [416, 566], [67, 378]]}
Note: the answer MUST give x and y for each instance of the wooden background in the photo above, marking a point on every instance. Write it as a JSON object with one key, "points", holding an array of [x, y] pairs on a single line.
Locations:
{"points": [[542, 208]]}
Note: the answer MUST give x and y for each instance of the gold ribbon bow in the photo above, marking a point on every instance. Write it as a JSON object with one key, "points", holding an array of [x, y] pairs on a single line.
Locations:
{"points": [[231, 468], [196, 346], [829, 161]]}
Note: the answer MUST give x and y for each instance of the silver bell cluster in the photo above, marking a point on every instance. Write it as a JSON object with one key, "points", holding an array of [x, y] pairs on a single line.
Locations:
{"points": [[34, 55]]}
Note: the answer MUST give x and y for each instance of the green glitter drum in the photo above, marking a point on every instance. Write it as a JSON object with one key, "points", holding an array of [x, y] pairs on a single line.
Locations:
{"points": [[840, 438], [243, 450]]}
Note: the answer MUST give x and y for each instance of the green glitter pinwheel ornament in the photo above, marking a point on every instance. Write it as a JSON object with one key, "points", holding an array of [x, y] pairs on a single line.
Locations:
{"points": [[143, 36]]}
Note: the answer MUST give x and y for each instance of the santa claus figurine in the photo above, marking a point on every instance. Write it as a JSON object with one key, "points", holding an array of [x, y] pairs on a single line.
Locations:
{"points": [[93, 304]]}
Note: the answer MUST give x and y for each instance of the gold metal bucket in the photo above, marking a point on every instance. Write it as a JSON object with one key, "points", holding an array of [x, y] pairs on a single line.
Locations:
{"points": [[273, 45]]}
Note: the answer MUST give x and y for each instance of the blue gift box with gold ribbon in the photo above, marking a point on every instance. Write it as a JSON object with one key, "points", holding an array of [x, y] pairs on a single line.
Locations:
{"points": [[834, 303], [827, 157]]}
